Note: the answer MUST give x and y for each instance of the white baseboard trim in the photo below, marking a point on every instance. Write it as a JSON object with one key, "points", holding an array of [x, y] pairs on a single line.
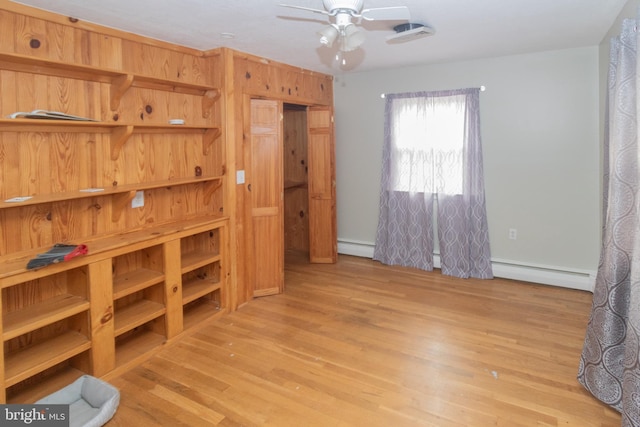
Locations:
{"points": [[548, 275]]}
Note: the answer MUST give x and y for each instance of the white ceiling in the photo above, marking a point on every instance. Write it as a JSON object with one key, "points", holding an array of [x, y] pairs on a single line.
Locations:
{"points": [[465, 29]]}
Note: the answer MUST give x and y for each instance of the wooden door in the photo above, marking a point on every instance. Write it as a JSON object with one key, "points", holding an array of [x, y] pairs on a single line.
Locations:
{"points": [[322, 190], [265, 186]]}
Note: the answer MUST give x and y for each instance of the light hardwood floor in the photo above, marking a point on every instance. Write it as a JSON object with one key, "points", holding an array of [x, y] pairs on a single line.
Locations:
{"points": [[362, 344]]}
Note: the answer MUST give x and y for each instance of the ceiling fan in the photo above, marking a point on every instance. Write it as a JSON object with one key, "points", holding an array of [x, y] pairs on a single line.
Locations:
{"points": [[343, 29]]}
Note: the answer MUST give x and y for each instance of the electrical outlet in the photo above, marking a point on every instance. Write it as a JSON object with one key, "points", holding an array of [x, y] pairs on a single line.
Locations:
{"points": [[513, 234], [138, 200]]}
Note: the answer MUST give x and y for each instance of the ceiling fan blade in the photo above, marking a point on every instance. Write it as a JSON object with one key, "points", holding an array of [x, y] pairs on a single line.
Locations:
{"points": [[309, 9], [394, 13]]}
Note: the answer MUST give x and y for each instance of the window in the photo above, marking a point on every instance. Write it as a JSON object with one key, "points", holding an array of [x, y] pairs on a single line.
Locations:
{"points": [[427, 136]]}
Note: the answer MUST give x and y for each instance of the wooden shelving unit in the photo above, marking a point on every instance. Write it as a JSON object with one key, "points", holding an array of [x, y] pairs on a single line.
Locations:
{"points": [[141, 323], [109, 308]]}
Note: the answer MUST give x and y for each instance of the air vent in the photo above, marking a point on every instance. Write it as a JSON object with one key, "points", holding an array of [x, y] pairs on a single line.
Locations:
{"points": [[409, 31]]}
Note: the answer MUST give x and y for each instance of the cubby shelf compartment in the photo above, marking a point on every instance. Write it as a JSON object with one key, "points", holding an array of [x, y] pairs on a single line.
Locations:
{"points": [[136, 314], [38, 315], [31, 360], [132, 347], [46, 386], [195, 288], [120, 132], [194, 260], [120, 81], [200, 310], [135, 281]]}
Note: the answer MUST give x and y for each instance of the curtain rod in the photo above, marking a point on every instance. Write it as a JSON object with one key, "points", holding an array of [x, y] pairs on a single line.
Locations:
{"points": [[482, 89]]}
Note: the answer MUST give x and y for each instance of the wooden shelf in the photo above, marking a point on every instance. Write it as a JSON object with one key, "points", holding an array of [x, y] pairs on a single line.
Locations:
{"points": [[291, 185], [45, 387], [199, 311], [120, 81], [196, 288], [45, 313], [134, 281], [13, 267], [193, 260], [34, 359], [136, 314], [136, 346], [46, 125], [123, 193], [120, 132]]}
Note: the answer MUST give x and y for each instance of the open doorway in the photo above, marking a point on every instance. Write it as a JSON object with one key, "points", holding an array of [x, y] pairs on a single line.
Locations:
{"points": [[290, 166], [296, 188]]}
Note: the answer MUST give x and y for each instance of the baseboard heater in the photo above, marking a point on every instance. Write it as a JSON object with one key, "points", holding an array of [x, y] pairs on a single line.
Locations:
{"points": [[548, 275]]}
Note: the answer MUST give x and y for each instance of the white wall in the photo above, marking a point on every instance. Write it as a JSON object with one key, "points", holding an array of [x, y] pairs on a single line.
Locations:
{"points": [[540, 128]]}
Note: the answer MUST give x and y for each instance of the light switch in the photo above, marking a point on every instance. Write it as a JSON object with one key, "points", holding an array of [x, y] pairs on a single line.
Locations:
{"points": [[240, 177]]}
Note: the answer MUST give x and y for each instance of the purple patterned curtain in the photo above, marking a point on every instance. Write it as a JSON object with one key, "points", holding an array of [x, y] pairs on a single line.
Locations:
{"points": [[432, 156], [610, 361]]}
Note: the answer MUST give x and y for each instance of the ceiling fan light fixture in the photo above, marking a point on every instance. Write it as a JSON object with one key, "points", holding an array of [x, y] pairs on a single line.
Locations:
{"points": [[328, 35], [352, 38]]}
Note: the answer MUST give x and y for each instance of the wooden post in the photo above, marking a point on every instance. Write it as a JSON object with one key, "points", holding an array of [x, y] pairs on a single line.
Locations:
{"points": [[173, 288], [103, 357]]}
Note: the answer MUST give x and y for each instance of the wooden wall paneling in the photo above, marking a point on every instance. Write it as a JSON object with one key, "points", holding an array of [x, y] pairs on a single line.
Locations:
{"points": [[9, 159], [228, 111], [295, 146], [25, 228], [191, 68], [31, 36], [66, 223], [8, 85], [61, 41], [35, 170], [143, 59], [7, 31], [102, 50]]}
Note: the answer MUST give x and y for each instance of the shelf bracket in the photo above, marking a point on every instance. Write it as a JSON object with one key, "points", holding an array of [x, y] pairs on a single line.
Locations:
{"points": [[209, 138], [210, 188], [119, 86], [120, 201], [208, 100], [119, 137]]}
